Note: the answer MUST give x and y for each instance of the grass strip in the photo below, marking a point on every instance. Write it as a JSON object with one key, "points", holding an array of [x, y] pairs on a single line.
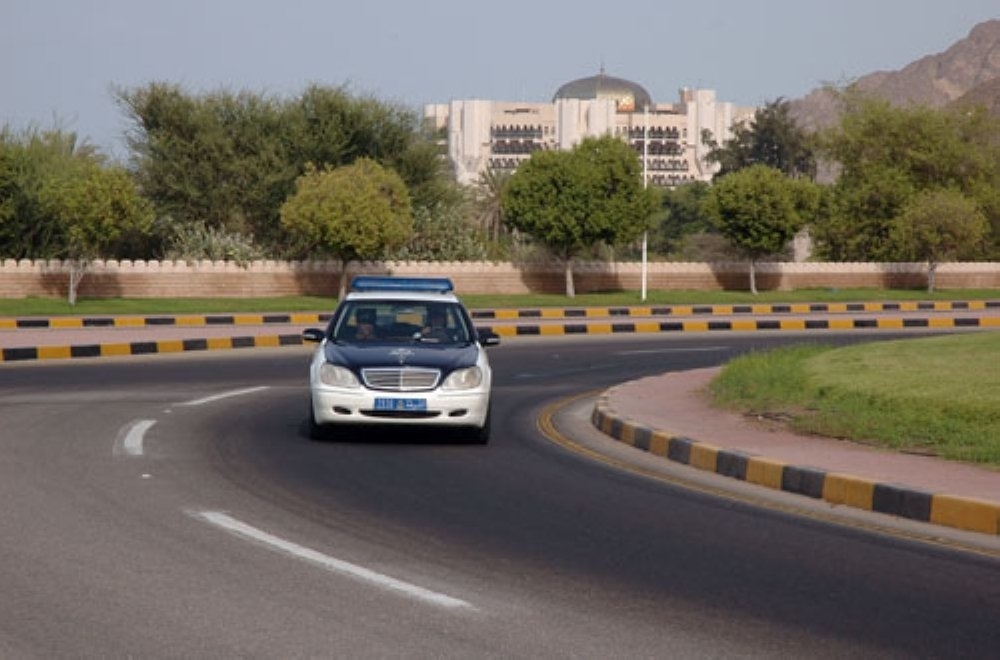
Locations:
{"points": [[38, 306], [931, 395]]}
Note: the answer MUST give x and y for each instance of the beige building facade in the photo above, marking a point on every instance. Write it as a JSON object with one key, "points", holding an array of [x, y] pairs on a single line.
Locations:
{"points": [[500, 135]]}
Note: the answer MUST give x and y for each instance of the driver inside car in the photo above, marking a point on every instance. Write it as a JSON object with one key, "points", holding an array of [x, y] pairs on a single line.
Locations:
{"points": [[436, 328], [366, 325]]}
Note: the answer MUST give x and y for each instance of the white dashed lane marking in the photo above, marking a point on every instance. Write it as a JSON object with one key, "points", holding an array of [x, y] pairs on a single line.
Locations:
{"points": [[130, 438], [331, 564], [223, 395]]}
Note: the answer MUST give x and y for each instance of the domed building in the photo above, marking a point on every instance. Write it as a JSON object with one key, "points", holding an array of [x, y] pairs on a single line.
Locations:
{"points": [[500, 135], [627, 95]]}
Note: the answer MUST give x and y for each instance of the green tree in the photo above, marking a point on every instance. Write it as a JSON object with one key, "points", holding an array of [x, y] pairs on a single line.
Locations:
{"points": [[771, 138], [227, 162], [938, 225], [569, 201], [95, 208], [857, 224], [218, 160], [489, 193], [886, 155], [350, 213], [29, 160], [759, 211]]}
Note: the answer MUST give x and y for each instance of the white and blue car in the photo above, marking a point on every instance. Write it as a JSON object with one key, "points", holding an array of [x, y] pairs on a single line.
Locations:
{"points": [[400, 351]]}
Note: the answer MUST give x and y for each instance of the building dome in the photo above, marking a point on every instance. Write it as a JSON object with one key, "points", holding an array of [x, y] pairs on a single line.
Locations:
{"points": [[629, 96]]}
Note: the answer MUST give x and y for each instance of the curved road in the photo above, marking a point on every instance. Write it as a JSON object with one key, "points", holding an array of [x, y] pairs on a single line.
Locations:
{"points": [[174, 507]]}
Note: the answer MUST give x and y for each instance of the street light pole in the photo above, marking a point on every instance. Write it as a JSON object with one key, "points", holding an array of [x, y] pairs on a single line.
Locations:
{"points": [[645, 183]]}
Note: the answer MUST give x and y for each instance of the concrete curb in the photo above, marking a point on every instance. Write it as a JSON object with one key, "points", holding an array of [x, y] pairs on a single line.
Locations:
{"points": [[593, 321], [795, 325], [159, 321], [147, 347], [836, 488], [734, 310]]}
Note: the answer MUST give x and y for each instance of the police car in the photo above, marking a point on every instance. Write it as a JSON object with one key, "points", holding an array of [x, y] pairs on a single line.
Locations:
{"points": [[400, 351]]}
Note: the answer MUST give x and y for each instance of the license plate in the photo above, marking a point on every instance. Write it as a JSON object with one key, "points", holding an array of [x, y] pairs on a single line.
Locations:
{"points": [[400, 404]]}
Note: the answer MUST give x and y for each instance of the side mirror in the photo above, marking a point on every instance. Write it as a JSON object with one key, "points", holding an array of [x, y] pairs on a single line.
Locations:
{"points": [[313, 335]]}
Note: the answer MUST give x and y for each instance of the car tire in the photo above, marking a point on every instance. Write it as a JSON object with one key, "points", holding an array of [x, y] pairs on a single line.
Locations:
{"points": [[316, 430], [481, 435]]}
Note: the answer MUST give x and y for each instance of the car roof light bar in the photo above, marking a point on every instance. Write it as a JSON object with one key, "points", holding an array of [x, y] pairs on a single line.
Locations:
{"points": [[368, 283]]}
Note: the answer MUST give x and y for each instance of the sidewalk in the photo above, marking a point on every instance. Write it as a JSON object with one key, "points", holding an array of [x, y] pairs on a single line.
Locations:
{"points": [[670, 416]]}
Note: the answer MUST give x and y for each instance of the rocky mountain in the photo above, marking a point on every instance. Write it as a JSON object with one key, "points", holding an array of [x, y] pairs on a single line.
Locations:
{"points": [[987, 94], [969, 69]]}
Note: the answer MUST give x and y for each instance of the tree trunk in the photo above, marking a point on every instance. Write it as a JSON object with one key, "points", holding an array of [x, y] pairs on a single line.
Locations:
{"points": [[344, 279], [931, 275], [77, 269], [570, 291], [753, 276]]}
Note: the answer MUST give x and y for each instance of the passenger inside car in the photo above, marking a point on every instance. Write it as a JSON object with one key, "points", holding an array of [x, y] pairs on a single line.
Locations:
{"points": [[366, 325]]}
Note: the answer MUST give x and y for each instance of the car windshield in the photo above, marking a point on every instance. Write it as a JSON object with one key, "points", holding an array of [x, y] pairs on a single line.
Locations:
{"points": [[392, 321]]}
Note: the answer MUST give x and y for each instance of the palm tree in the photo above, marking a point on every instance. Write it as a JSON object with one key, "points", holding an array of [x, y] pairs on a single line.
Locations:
{"points": [[489, 198]]}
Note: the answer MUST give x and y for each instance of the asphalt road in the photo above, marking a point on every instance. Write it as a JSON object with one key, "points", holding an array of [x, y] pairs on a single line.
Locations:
{"points": [[173, 506]]}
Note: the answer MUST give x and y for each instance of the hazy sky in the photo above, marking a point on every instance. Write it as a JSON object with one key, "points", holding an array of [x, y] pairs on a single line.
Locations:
{"points": [[60, 59]]}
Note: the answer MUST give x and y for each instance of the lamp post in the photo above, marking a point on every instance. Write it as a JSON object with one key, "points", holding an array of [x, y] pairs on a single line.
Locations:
{"points": [[645, 183]]}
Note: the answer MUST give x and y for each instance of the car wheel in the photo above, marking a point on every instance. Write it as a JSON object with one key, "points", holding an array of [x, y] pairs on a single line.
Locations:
{"points": [[481, 435], [316, 430]]}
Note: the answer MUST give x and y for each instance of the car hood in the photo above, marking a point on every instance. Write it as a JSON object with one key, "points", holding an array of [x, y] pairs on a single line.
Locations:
{"points": [[446, 358]]}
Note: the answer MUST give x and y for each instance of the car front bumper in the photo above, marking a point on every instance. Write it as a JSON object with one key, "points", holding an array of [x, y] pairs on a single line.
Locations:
{"points": [[434, 408]]}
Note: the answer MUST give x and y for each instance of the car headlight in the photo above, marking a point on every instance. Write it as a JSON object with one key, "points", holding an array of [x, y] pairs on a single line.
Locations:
{"points": [[464, 379], [336, 376]]}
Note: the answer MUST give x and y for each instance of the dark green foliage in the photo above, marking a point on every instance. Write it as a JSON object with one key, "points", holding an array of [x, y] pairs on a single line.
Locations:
{"points": [[229, 161], [59, 198], [772, 138], [683, 216], [28, 161]]}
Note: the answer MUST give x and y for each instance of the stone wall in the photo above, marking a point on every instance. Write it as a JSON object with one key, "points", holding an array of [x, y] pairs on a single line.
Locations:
{"points": [[151, 279]]}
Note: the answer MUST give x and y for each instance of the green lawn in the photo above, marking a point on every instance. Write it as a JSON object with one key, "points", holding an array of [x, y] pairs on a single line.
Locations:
{"points": [[935, 395], [10, 307]]}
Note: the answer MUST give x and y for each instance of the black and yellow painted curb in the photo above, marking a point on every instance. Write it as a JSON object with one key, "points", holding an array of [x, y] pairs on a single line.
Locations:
{"points": [[526, 314], [160, 321], [745, 325], [512, 323], [836, 488], [147, 347], [557, 313]]}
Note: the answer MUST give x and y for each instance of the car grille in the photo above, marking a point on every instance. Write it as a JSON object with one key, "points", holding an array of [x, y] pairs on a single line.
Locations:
{"points": [[404, 379]]}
